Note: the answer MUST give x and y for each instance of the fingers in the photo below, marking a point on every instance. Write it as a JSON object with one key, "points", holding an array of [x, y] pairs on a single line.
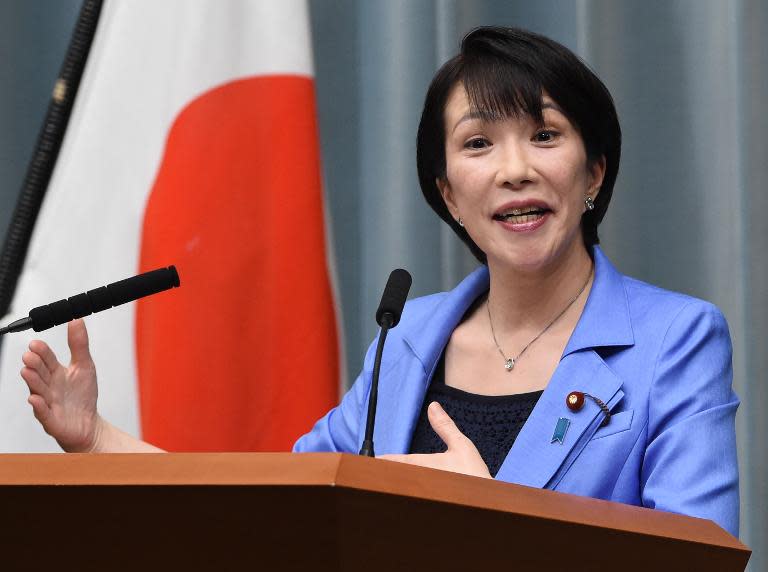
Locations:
{"points": [[39, 408], [41, 357], [461, 457], [77, 338], [34, 362], [422, 460], [395, 458], [444, 426], [45, 353], [36, 385]]}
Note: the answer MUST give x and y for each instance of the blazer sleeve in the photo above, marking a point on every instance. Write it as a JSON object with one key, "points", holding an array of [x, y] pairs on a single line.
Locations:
{"points": [[339, 430], [690, 463]]}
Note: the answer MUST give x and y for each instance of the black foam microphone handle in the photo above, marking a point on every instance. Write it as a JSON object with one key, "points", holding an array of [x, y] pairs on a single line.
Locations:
{"points": [[393, 298], [128, 290]]}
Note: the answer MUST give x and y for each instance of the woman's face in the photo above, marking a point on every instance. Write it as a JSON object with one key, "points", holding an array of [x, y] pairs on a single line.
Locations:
{"points": [[519, 188]]}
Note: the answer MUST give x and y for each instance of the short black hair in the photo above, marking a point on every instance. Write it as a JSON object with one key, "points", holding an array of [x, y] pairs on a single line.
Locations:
{"points": [[505, 72]]}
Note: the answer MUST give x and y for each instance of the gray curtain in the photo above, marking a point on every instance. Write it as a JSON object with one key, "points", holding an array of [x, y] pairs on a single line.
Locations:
{"points": [[690, 78]]}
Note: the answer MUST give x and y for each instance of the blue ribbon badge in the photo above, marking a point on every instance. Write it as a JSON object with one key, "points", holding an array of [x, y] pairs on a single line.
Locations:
{"points": [[560, 429]]}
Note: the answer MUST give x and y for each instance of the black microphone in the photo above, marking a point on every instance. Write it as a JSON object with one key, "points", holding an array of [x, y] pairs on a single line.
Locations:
{"points": [[128, 290], [388, 316], [393, 298]]}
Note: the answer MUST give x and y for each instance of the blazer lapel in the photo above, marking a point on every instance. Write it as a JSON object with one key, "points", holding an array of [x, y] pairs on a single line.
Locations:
{"points": [[425, 341], [534, 459], [535, 456]]}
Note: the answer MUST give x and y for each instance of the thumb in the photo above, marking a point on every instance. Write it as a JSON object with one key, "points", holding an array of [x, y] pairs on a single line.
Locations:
{"points": [[444, 426], [77, 339]]}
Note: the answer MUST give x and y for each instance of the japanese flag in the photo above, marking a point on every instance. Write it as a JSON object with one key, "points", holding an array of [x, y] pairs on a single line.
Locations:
{"points": [[192, 142]]}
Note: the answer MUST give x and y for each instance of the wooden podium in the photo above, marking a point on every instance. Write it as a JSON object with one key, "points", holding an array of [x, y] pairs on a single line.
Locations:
{"points": [[275, 511]]}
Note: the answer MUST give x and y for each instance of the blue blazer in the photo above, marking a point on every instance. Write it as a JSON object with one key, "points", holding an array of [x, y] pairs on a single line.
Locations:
{"points": [[660, 360]]}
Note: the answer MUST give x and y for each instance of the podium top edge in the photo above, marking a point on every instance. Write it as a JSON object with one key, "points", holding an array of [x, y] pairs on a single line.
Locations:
{"points": [[351, 472]]}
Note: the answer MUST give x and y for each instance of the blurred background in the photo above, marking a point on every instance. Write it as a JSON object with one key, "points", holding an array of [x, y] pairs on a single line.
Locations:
{"points": [[690, 78]]}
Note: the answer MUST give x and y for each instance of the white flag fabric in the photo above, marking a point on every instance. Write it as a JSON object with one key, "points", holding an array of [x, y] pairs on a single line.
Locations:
{"points": [[192, 142]]}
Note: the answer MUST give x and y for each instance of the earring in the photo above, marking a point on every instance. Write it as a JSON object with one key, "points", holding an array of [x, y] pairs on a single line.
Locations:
{"points": [[461, 222], [589, 203]]}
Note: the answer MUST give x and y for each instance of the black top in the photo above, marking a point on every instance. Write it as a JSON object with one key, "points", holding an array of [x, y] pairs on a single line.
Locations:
{"points": [[492, 422]]}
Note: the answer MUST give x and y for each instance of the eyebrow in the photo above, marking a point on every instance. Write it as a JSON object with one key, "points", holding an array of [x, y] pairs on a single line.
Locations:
{"points": [[485, 116]]}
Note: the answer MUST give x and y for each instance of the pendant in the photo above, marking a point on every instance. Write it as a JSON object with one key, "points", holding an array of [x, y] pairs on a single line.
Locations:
{"points": [[509, 364]]}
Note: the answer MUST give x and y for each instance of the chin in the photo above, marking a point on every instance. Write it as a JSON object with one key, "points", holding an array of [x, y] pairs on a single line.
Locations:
{"points": [[531, 258], [525, 260]]}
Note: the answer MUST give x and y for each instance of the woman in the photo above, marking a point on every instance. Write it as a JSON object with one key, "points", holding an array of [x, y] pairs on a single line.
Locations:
{"points": [[558, 371]]}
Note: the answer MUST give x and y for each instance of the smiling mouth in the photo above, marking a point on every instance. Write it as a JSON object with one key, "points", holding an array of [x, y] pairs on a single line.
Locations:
{"points": [[519, 216]]}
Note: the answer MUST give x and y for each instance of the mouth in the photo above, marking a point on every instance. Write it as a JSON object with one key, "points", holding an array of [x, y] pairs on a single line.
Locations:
{"points": [[521, 215]]}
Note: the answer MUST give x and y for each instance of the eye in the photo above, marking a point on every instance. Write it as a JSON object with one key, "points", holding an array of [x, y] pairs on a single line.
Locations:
{"points": [[545, 136], [477, 143]]}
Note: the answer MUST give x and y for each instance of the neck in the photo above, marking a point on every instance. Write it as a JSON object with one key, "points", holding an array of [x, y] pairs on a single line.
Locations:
{"points": [[527, 298]]}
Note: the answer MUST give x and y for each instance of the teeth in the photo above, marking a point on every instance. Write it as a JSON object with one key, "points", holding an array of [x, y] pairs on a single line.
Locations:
{"points": [[523, 218], [518, 212]]}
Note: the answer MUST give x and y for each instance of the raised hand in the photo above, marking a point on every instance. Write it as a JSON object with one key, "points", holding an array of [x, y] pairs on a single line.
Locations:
{"points": [[462, 455], [63, 399]]}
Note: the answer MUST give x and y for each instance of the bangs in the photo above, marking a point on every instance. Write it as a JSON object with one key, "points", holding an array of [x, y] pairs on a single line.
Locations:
{"points": [[497, 90]]}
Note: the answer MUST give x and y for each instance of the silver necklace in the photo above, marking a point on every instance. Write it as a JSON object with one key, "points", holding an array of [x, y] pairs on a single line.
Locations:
{"points": [[509, 363]]}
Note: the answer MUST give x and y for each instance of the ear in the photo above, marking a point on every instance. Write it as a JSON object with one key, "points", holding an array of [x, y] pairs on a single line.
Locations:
{"points": [[447, 193], [596, 174]]}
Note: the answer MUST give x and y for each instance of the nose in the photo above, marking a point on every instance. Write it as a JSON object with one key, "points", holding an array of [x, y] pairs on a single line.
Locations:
{"points": [[513, 168]]}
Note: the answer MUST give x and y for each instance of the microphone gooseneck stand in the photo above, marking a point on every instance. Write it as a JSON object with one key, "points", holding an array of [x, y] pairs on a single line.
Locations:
{"points": [[387, 316], [367, 448]]}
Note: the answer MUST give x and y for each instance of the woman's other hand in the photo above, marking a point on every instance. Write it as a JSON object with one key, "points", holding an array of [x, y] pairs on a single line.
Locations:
{"points": [[461, 457], [64, 398]]}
